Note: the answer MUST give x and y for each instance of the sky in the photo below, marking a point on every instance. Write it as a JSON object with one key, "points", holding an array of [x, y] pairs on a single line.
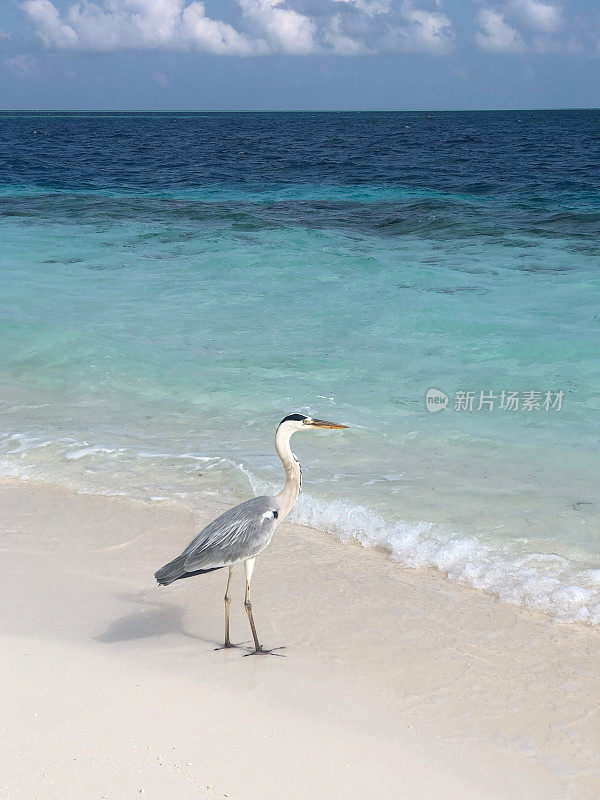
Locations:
{"points": [[298, 54]]}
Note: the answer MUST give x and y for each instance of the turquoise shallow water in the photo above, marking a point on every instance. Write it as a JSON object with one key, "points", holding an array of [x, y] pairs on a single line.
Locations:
{"points": [[172, 287]]}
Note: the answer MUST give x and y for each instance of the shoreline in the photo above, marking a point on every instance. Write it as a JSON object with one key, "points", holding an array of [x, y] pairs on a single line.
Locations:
{"points": [[530, 571], [397, 683]]}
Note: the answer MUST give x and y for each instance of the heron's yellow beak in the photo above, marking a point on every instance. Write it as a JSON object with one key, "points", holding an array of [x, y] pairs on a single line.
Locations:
{"points": [[321, 423]]}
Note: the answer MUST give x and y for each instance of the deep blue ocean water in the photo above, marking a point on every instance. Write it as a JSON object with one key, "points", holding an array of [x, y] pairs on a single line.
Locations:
{"points": [[174, 284]]}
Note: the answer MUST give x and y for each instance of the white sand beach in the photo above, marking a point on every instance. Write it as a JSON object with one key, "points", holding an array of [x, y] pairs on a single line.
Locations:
{"points": [[396, 683]]}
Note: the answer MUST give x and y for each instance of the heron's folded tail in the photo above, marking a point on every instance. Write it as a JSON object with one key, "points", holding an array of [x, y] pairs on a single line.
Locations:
{"points": [[175, 570], [170, 572]]}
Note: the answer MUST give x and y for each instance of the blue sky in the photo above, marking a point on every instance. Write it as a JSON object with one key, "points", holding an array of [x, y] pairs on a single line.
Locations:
{"points": [[299, 54]]}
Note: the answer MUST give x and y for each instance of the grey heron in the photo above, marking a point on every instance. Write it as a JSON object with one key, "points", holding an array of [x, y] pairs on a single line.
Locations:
{"points": [[244, 531]]}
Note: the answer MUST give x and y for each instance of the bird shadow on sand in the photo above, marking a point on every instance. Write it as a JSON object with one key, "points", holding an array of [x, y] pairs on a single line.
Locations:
{"points": [[151, 619]]}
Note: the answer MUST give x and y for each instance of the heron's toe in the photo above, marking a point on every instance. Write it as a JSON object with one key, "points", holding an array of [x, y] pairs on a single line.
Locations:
{"points": [[263, 652], [230, 645]]}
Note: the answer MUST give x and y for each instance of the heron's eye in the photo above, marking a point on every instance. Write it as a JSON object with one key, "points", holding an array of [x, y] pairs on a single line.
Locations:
{"points": [[275, 514]]}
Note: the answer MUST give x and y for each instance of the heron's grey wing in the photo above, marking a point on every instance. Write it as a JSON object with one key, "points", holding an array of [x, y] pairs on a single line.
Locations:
{"points": [[240, 533]]}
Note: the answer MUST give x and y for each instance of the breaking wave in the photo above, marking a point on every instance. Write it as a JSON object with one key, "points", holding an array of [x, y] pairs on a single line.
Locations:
{"points": [[549, 583]]}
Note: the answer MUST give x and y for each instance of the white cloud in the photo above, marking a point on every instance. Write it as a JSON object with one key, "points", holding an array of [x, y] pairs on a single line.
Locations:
{"points": [[120, 24], [302, 27], [341, 44], [369, 7], [516, 26], [340, 27], [215, 36], [496, 35], [538, 15], [288, 30], [48, 24], [428, 30], [418, 29]]}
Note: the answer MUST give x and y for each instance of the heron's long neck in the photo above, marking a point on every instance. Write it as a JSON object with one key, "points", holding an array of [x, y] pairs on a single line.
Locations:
{"points": [[293, 475]]}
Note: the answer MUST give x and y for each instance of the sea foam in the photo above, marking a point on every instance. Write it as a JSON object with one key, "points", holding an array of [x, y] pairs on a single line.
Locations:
{"points": [[548, 582]]}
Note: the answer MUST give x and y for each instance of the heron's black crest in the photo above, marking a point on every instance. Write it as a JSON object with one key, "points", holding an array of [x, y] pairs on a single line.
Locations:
{"points": [[293, 418]]}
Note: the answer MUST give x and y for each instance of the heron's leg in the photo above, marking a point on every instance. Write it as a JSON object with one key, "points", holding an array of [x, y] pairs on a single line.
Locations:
{"points": [[258, 648], [227, 605], [227, 599], [249, 564]]}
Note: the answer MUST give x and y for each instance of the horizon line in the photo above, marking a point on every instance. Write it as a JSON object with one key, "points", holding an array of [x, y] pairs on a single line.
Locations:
{"points": [[290, 110]]}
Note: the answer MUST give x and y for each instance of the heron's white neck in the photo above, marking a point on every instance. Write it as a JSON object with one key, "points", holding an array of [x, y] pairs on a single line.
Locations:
{"points": [[293, 475]]}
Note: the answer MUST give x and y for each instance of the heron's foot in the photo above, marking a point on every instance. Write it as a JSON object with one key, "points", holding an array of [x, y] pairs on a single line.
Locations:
{"points": [[229, 645], [261, 651]]}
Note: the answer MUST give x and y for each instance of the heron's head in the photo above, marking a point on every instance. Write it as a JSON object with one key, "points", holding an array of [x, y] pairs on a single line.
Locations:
{"points": [[298, 422]]}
